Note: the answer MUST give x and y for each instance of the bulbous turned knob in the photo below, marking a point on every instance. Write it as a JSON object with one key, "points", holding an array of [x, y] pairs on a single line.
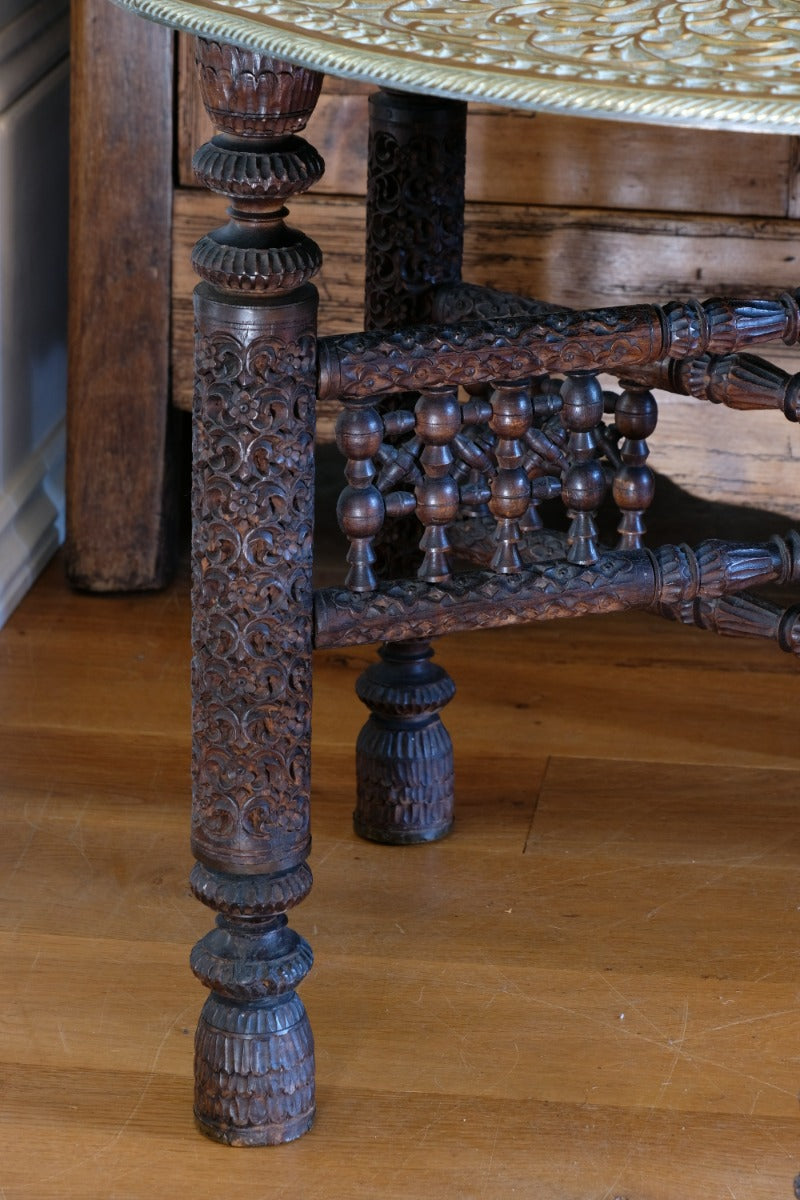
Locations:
{"points": [[584, 486], [512, 411], [359, 433], [636, 413], [438, 417], [360, 511], [582, 403], [633, 488], [511, 494], [437, 501]]}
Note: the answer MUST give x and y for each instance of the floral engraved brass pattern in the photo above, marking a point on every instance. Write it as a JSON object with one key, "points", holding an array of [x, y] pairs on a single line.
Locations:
{"points": [[715, 63]]}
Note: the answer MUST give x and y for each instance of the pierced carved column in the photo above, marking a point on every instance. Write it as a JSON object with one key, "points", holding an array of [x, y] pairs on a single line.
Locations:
{"points": [[415, 204], [415, 233], [252, 508]]}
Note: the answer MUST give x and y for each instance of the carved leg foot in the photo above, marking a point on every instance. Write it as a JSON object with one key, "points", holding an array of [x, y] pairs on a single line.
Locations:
{"points": [[254, 1051], [404, 756]]}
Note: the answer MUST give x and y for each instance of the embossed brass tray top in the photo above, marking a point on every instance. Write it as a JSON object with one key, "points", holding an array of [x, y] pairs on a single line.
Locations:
{"points": [[727, 64]]}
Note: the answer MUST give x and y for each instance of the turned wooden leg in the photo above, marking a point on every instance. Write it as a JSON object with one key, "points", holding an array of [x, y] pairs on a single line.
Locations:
{"points": [[404, 755], [415, 233], [252, 601]]}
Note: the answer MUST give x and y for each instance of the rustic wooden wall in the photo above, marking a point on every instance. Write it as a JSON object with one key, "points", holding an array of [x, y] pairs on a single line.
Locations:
{"points": [[574, 211]]}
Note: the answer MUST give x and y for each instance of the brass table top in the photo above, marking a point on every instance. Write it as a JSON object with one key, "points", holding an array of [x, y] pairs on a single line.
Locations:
{"points": [[726, 64]]}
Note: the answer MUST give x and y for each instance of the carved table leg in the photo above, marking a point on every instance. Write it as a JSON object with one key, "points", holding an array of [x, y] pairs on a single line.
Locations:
{"points": [[252, 600], [415, 225], [404, 755]]}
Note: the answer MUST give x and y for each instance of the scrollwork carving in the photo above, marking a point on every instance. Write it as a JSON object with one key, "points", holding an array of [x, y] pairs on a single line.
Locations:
{"points": [[253, 552], [660, 580], [614, 339]]}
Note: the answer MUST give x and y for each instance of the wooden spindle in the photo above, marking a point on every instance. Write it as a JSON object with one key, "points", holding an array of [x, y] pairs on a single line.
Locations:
{"points": [[584, 482], [633, 488]]}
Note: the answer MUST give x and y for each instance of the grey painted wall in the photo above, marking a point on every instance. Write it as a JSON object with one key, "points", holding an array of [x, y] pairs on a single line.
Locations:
{"points": [[34, 100]]}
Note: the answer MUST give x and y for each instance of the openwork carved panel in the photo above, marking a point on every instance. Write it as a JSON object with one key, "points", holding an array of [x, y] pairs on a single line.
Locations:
{"points": [[458, 462], [415, 203], [473, 466]]}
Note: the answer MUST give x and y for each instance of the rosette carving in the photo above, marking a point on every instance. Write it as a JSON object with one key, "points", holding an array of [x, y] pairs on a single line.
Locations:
{"points": [[285, 261], [282, 171]]}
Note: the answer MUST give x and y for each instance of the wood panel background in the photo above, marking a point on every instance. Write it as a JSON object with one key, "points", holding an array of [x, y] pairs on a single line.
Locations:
{"points": [[574, 211]]}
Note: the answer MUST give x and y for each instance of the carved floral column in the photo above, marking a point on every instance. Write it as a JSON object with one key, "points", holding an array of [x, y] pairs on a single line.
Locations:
{"points": [[252, 507]]}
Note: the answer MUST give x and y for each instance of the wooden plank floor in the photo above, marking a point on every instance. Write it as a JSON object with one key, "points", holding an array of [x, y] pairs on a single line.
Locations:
{"points": [[589, 991]]}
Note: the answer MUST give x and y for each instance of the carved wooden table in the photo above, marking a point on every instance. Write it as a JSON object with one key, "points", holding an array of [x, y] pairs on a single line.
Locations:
{"points": [[462, 411]]}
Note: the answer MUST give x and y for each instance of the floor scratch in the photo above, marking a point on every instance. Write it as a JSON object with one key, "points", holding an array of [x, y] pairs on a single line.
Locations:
{"points": [[536, 798]]}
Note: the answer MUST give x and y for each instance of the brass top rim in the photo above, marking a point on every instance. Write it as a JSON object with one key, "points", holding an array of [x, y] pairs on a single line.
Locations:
{"points": [[724, 64]]}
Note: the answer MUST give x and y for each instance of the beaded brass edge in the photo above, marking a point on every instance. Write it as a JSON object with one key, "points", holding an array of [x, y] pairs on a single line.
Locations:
{"points": [[733, 64]]}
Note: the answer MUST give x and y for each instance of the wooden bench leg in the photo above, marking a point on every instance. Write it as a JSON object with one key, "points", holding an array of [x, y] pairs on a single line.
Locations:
{"points": [[252, 506], [122, 502]]}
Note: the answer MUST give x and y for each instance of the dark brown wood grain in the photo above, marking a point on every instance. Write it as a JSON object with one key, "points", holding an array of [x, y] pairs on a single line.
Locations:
{"points": [[624, 213], [252, 526], [121, 499], [487, 458], [624, 258]]}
